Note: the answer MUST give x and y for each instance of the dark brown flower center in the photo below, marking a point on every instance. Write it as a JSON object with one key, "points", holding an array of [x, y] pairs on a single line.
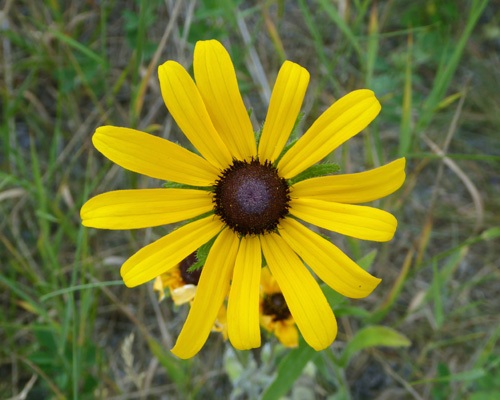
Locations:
{"points": [[251, 197], [190, 277], [275, 305]]}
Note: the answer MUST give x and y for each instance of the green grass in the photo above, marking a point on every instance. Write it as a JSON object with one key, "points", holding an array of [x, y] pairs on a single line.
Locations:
{"points": [[431, 328]]}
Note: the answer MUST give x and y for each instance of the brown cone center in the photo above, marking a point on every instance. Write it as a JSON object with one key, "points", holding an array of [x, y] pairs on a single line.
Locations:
{"points": [[190, 277], [251, 197], [275, 305]]}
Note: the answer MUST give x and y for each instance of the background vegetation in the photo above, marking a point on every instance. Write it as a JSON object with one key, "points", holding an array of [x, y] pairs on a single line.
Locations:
{"points": [[70, 329]]}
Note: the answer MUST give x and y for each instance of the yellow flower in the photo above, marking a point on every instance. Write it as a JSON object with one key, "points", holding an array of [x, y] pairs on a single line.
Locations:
{"points": [[182, 285], [245, 199], [274, 313], [220, 324], [180, 281]]}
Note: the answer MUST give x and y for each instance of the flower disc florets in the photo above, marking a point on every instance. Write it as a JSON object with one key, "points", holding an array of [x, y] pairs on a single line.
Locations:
{"points": [[251, 197], [190, 277], [275, 305]]}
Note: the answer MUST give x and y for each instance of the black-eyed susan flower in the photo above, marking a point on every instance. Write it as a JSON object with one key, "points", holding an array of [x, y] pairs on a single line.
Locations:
{"points": [[181, 283], [274, 313], [249, 204]]}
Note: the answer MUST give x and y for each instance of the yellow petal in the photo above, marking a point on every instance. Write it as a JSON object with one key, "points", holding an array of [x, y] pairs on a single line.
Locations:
{"points": [[142, 208], [286, 100], [287, 334], [158, 286], [327, 261], [183, 100], [183, 294], [243, 301], [216, 81], [153, 156], [167, 252], [266, 321], [354, 188], [304, 298], [361, 222], [220, 324], [268, 283], [210, 294], [344, 119]]}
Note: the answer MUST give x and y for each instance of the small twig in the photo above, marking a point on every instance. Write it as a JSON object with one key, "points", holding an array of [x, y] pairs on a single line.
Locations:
{"points": [[165, 335], [452, 129], [395, 375], [154, 60], [187, 23], [6, 9], [40, 372], [148, 379], [474, 192], [122, 307], [24, 393], [254, 66]]}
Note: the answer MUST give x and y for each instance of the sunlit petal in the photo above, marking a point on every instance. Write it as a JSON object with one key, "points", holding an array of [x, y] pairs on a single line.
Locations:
{"points": [[216, 81], [354, 188], [141, 208], [153, 156], [327, 261], [170, 250], [210, 294], [304, 298], [287, 334], [344, 119], [183, 100], [361, 222], [243, 301], [286, 100], [268, 283]]}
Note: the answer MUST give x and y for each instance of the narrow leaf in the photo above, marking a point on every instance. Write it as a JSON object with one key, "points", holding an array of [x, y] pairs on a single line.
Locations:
{"points": [[175, 185], [366, 261], [172, 365], [315, 171], [289, 370], [470, 375], [436, 293], [370, 337]]}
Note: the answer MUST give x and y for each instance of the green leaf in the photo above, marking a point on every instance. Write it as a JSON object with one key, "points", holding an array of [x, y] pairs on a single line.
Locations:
{"points": [[352, 311], [283, 152], [486, 395], [366, 261], [175, 185], [80, 47], [436, 293], [289, 370], [334, 298], [491, 233], [294, 135], [202, 254], [315, 171], [372, 336], [331, 11], [449, 66]]}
